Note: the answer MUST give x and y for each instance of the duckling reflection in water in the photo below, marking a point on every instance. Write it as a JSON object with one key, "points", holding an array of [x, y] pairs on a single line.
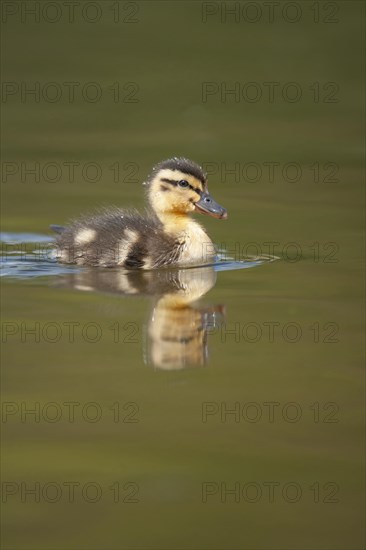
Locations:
{"points": [[165, 236], [177, 331]]}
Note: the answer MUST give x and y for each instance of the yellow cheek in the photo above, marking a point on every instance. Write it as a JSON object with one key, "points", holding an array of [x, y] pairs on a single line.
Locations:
{"points": [[186, 205]]}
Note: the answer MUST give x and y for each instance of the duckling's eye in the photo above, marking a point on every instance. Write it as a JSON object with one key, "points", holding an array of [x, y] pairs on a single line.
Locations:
{"points": [[183, 183]]}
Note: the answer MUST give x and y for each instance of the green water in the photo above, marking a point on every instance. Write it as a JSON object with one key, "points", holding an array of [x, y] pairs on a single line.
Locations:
{"points": [[164, 435]]}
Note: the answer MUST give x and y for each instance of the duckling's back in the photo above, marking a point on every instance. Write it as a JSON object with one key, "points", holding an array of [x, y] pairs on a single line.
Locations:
{"points": [[117, 238]]}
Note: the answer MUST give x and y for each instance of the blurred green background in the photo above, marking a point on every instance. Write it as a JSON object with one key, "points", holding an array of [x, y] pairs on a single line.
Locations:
{"points": [[161, 53]]}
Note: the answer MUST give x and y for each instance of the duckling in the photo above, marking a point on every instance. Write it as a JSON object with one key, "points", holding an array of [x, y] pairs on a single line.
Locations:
{"points": [[164, 236]]}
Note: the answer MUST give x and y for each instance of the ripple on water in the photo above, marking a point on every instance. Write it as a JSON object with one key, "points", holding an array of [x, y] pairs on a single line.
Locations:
{"points": [[29, 255]]}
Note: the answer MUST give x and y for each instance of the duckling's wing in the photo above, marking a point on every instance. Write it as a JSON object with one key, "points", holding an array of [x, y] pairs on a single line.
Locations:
{"points": [[58, 228]]}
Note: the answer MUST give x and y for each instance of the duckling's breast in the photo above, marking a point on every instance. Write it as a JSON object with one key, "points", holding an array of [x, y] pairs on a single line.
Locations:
{"points": [[197, 246]]}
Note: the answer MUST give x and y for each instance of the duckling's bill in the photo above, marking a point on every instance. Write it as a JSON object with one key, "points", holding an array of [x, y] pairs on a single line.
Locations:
{"points": [[207, 205]]}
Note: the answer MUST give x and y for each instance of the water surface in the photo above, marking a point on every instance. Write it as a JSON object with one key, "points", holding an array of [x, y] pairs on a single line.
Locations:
{"points": [[172, 376]]}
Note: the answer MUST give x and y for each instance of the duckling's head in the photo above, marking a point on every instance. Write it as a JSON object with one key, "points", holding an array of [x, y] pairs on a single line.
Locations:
{"points": [[178, 186]]}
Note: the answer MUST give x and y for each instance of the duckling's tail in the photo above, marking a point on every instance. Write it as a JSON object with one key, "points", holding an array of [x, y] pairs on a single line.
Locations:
{"points": [[58, 228]]}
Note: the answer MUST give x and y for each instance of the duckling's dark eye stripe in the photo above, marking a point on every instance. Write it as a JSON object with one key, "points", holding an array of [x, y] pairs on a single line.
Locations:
{"points": [[189, 186]]}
